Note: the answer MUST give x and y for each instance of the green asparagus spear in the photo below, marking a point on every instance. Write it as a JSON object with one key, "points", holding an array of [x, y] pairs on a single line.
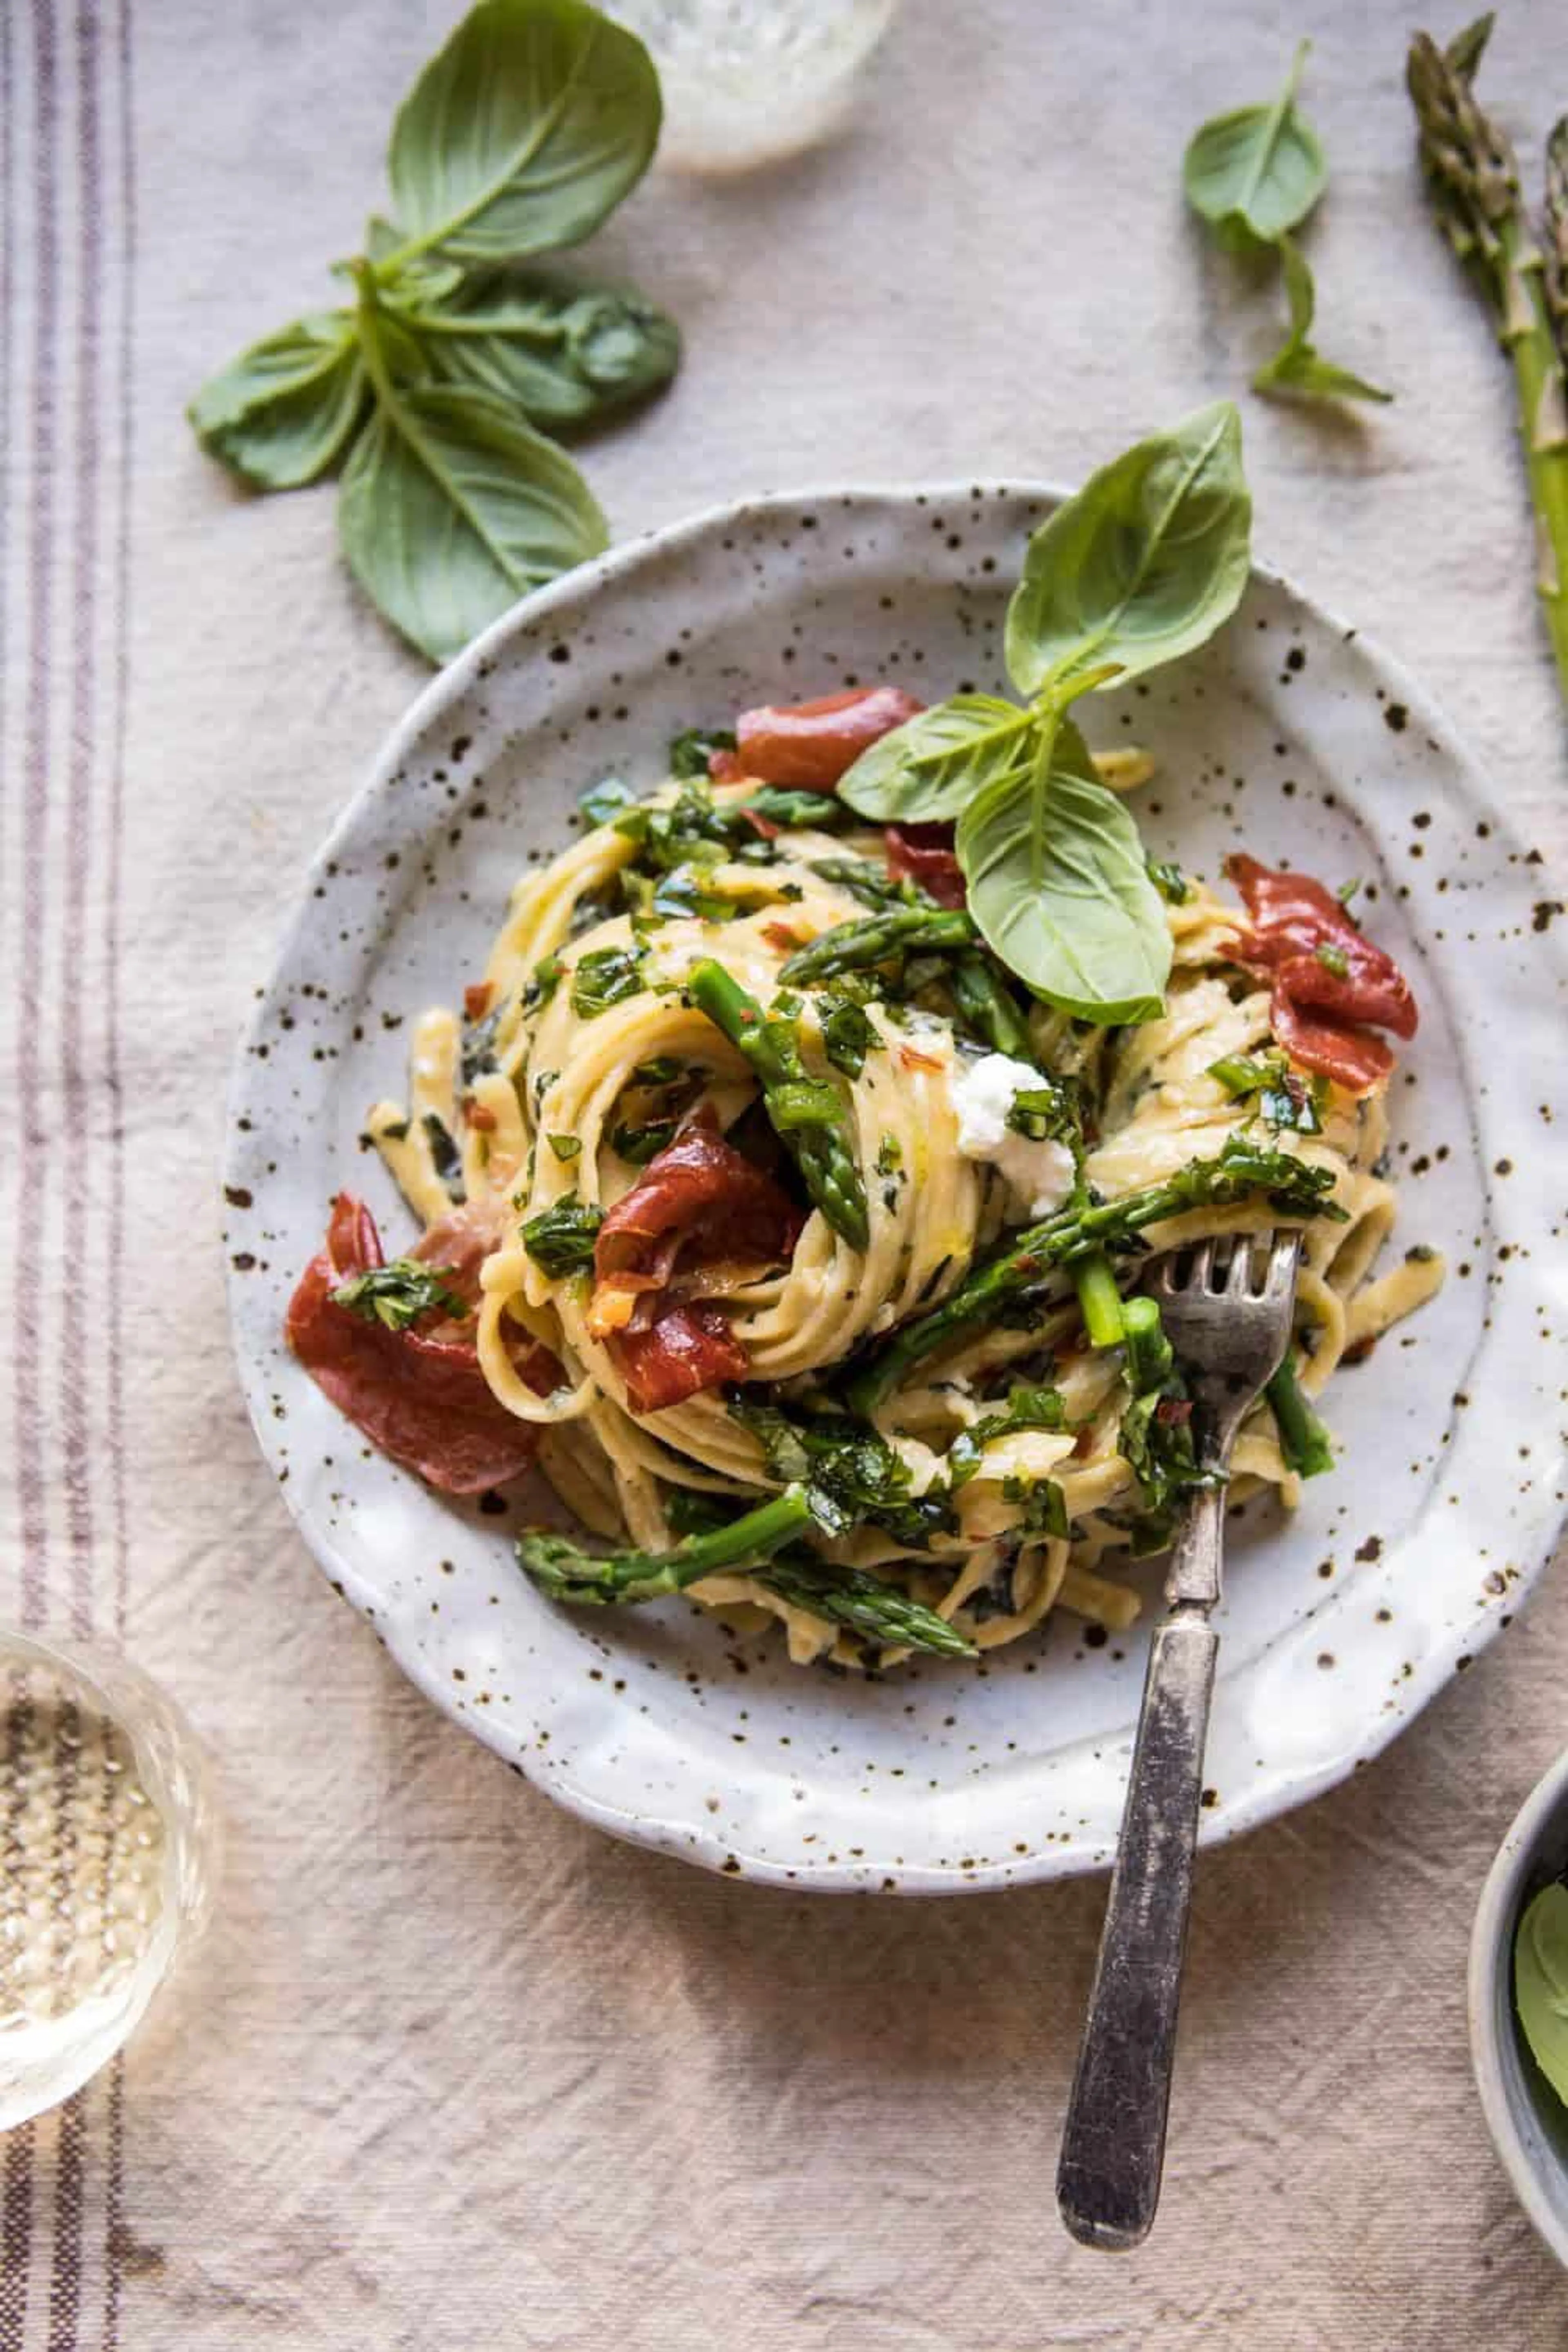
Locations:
{"points": [[807, 1115], [1099, 1300], [980, 998], [902, 931], [1473, 180], [1023, 1267], [567, 1572], [877, 1611], [869, 884], [1554, 219], [1303, 1440], [985, 1003]]}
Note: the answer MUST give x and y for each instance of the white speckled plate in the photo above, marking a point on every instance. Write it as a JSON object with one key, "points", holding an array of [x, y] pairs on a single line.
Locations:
{"points": [[1288, 735]]}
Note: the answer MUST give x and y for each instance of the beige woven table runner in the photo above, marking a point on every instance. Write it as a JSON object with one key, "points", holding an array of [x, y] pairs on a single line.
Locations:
{"points": [[453, 2071]]}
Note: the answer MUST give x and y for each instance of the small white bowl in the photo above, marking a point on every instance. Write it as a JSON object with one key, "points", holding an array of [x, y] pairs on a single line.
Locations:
{"points": [[1527, 2122]]}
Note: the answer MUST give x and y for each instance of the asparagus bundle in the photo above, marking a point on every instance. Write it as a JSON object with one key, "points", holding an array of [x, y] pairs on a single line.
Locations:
{"points": [[1473, 180], [980, 996]]}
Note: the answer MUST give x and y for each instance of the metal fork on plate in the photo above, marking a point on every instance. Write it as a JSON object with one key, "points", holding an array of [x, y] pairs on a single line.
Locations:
{"points": [[1226, 1307]]}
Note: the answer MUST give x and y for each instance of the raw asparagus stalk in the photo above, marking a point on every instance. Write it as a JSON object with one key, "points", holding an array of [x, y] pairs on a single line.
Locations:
{"points": [[1026, 1264], [567, 1572], [1303, 1440], [854, 946], [1554, 219], [877, 1611], [1473, 180], [807, 1116]]}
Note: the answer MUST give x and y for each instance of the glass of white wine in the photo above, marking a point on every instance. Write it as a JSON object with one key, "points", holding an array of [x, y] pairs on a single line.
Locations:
{"points": [[111, 1848], [748, 81]]}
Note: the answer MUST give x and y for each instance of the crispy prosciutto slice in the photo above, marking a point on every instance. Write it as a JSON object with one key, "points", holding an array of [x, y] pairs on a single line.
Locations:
{"points": [[924, 853], [1331, 982], [418, 1394], [810, 745], [700, 1218], [689, 1348], [1353, 1058]]}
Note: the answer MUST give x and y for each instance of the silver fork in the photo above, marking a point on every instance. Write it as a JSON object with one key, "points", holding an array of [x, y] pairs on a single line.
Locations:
{"points": [[1230, 1329]]}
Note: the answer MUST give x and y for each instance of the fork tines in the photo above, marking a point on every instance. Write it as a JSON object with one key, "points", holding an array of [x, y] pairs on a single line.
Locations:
{"points": [[1232, 1265]]}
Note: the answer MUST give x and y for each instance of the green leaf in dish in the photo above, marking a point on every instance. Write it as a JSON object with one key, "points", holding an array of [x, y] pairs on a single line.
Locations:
{"points": [[518, 138], [451, 509], [1540, 1982], [1058, 888], [931, 768], [1257, 172], [566, 355], [1297, 366], [281, 413], [1142, 566]]}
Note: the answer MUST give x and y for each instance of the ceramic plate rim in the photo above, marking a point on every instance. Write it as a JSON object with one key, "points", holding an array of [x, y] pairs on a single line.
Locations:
{"points": [[692, 1840]]}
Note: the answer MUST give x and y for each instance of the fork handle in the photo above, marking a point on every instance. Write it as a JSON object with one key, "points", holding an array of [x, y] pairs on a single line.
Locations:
{"points": [[1107, 2182]]}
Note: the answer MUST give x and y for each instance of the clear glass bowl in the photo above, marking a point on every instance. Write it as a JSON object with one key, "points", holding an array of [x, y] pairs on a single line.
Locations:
{"points": [[111, 1853], [747, 81]]}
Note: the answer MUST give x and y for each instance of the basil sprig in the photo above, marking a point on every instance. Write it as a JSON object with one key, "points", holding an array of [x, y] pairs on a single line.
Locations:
{"points": [[1298, 365], [518, 139], [1142, 566], [1255, 175], [1257, 172]]}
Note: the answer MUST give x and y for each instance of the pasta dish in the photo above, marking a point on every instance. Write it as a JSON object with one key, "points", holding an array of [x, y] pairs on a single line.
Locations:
{"points": [[795, 1238]]}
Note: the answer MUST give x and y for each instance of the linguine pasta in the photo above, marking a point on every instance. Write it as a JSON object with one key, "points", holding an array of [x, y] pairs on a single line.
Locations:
{"points": [[584, 1056]]}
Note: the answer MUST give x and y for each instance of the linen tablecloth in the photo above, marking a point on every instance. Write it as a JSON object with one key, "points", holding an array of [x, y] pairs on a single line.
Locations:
{"points": [[453, 2071]]}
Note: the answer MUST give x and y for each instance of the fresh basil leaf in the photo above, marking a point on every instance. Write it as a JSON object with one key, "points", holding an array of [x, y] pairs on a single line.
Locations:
{"points": [[398, 1293], [932, 767], [1051, 1112], [848, 1035], [640, 1144], [451, 510], [282, 412], [421, 278], [1283, 1096], [690, 751], [603, 977], [518, 138], [1257, 172], [1297, 366], [606, 799], [1057, 886], [1170, 881], [564, 356], [793, 811], [477, 1054], [1027, 1408], [560, 1240], [1143, 565], [542, 985], [1044, 1509]]}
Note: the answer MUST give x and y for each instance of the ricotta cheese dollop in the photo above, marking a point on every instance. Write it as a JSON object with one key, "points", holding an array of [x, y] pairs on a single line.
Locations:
{"points": [[1041, 1174]]}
